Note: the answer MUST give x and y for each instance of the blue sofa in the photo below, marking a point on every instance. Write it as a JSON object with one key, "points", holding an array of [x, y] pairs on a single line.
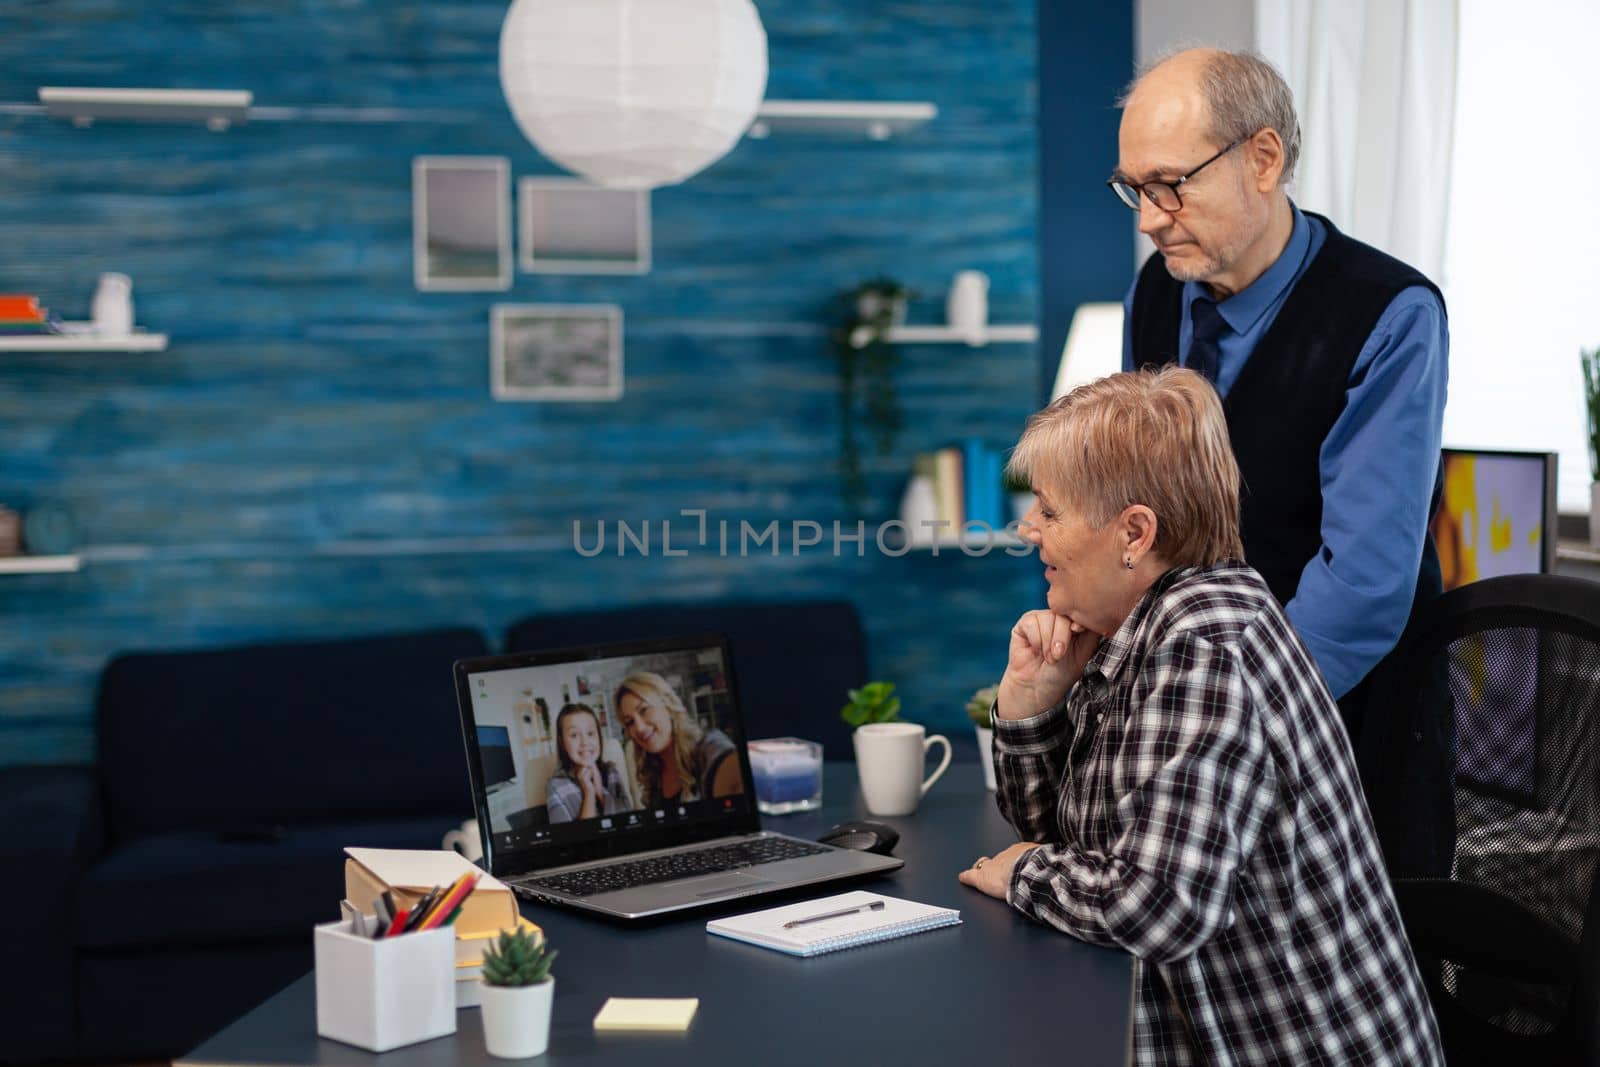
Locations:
{"points": [[173, 886]]}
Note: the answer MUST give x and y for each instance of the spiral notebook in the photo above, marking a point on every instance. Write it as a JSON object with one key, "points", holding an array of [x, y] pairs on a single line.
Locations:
{"points": [[832, 923]]}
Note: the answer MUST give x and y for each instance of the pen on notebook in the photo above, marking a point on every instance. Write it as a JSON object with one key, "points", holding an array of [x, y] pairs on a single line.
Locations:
{"points": [[876, 905]]}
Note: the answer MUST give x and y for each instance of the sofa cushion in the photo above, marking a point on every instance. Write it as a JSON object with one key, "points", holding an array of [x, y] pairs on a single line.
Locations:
{"points": [[270, 734], [52, 822], [192, 888], [793, 661]]}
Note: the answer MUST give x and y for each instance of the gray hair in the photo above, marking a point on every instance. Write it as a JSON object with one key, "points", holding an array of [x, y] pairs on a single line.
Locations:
{"points": [[1244, 94]]}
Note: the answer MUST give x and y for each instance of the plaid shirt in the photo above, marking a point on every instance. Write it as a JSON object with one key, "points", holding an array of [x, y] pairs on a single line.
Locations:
{"points": [[1198, 806]]}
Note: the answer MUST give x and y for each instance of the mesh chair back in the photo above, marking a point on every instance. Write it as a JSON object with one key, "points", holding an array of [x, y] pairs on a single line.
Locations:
{"points": [[1507, 672]]}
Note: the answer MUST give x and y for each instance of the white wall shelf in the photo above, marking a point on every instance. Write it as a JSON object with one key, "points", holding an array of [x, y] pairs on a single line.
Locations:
{"points": [[216, 109], [40, 564], [851, 118], [220, 109], [79, 341], [1025, 333]]}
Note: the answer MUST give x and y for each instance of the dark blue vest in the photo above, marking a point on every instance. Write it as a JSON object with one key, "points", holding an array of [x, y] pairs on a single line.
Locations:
{"points": [[1287, 399]]}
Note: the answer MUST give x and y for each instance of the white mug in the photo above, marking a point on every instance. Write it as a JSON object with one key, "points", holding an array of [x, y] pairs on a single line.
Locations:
{"points": [[889, 758], [112, 307], [465, 841]]}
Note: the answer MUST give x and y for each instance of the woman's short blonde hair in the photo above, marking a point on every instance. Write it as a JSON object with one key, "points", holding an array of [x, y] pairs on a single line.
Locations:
{"points": [[1152, 437]]}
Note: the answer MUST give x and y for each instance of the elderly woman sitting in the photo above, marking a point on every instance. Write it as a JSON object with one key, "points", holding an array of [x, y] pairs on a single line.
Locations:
{"points": [[1168, 752]]}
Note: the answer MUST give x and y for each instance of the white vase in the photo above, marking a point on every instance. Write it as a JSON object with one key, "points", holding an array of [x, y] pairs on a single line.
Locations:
{"points": [[516, 1019], [918, 510], [986, 755], [1594, 514], [966, 309], [112, 307]]}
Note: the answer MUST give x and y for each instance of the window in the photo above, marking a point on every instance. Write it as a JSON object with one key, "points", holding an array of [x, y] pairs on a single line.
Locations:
{"points": [[1522, 258]]}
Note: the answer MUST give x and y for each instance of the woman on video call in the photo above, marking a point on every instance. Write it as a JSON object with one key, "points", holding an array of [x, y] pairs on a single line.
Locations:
{"points": [[585, 786], [675, 759]]}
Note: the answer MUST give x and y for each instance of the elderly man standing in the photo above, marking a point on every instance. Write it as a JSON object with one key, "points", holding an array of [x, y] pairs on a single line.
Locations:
{"points": [[1330, 356]]}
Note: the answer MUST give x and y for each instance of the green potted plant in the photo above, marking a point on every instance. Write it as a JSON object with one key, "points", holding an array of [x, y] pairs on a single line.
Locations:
{"points": [[979, 707], [866, 358], [517, 994], [1591, 406], [873, 702]]}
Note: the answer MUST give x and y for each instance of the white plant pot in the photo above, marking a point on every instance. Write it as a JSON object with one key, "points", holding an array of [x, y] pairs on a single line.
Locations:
{"points": [[1594, 514], [986, 755], [516, 1019]]}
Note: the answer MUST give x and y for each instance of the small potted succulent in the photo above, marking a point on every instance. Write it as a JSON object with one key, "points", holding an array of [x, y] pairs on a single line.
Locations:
{"points": [[979, 707], [517, 995], [873, 702]]}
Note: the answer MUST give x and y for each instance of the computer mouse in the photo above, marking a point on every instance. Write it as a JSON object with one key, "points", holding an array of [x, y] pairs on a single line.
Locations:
{"points": [[865, 836]]}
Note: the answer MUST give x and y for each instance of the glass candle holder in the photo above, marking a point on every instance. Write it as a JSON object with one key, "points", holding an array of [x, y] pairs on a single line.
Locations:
{"points": [[788, 774]]}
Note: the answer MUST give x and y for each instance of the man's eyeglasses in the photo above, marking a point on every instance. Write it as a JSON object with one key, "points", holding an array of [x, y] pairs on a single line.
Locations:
{"points": [[1163, 195]]}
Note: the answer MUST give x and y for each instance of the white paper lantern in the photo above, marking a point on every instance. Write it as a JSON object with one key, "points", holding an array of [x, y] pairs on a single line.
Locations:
{"points": [[633, 93]]}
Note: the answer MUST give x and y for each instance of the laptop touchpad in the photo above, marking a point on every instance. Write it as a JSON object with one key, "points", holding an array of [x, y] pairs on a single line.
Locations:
{"points": [[722, 883]]}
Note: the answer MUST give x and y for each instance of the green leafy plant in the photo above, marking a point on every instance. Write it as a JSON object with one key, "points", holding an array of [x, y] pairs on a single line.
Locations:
{"points": [[517, 958], [1591, 398], [873, 702], [866, 359], [980, 704]]}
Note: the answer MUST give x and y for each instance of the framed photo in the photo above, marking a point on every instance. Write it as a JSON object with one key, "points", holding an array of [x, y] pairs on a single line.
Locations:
{"points": [[567, 226], [555, 351], [461, 222]]}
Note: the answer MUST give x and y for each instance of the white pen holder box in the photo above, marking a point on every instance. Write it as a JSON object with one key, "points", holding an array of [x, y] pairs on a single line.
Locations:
{"points": [[380, 995]]}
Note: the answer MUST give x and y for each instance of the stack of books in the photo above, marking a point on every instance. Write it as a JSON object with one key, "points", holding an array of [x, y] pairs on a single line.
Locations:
{"points": [[967, 487], [408, 875], [21, 315]]}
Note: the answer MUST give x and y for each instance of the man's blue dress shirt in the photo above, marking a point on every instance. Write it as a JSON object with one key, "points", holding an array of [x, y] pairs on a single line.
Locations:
{"points": [[1378, 463]]}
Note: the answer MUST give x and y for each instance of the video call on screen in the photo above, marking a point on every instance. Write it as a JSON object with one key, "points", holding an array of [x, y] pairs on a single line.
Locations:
{"points": [[575, 751]]}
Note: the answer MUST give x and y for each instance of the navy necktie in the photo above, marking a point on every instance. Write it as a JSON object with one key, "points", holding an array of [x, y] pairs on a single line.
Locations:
{"points": [[1205, 357]]}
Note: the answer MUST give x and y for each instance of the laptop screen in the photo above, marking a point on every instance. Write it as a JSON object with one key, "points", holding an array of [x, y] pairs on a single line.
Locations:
{"points": [[584, 753]]}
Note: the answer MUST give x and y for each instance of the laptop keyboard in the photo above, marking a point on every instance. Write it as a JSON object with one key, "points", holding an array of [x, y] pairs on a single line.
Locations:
{"points": [[676, 865]]}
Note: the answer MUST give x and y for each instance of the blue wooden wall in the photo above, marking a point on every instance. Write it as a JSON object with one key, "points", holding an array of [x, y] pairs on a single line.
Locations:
{"points": [[317, 452]]}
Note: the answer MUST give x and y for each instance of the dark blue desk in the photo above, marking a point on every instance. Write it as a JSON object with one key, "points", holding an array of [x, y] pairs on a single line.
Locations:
{"points": [[995, 989]]}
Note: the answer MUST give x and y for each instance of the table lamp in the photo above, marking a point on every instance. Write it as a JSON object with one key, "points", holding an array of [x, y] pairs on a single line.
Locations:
{"points": [[1093, 349]]}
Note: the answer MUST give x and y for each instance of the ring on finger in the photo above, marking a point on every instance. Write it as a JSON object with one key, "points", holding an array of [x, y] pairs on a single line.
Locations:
{"points": [[980, 862]]}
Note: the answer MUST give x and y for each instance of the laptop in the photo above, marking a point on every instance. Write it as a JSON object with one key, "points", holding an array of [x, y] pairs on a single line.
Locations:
{"points": [[616, 779]]}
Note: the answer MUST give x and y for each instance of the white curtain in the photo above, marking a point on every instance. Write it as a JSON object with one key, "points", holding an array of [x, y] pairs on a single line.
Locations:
{"points": [[1374, 82]]}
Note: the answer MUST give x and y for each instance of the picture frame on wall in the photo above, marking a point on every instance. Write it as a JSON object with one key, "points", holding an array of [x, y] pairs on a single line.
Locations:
{"points": [[557, 352], [461, 223], [568, 226]]}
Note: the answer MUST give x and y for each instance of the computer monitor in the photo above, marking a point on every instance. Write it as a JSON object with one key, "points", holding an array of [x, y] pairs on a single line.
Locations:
{"points": [[494, 744], [1497, 515]]}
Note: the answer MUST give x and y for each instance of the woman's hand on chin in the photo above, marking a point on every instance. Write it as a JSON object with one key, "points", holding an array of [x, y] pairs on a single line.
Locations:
{"points": [[1048, 654]]}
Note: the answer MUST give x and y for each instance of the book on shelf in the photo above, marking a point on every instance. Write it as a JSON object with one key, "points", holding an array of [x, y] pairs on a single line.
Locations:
{"points": [[947, 490], [411, 873], [967, 486]]}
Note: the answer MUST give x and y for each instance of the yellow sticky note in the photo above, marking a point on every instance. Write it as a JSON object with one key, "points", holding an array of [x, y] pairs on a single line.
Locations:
{"points": [[646, 1013]]}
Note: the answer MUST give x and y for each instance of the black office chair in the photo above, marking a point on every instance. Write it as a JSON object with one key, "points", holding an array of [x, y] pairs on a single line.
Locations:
{"points": [[1494, 696]]}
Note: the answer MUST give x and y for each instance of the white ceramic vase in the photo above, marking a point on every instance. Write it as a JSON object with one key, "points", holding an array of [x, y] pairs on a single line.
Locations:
{"points": [[516, 1019], [967, 307], [112, 307], [986, 755]]}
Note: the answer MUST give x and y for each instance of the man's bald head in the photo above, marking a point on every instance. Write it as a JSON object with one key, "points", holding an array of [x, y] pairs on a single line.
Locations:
{"points": [[1234, 93]]}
